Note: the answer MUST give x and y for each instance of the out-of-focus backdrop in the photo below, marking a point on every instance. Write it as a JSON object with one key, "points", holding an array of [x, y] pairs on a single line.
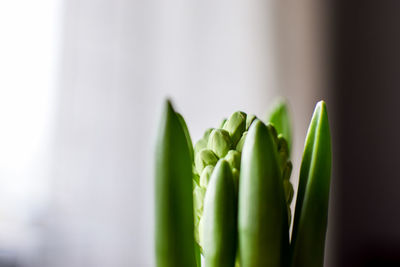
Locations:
{"points": [[82, 82]]}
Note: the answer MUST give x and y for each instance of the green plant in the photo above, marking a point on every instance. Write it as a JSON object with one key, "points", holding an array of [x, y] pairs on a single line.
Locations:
{"points": [[236, 207]]}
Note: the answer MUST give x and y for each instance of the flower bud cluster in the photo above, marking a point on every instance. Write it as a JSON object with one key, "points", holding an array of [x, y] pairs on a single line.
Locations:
{"points": [[226, 142]]}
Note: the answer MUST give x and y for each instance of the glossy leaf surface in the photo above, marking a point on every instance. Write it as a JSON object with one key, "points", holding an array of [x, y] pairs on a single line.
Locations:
{"points": [[219, 218], [174, 238], [263, 224], [311, 214]]}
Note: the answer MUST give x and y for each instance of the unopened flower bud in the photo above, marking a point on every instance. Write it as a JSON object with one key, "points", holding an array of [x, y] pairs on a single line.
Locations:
{"points": [[287, 170], [196, 228], [239, 145], [205, 176], [207, 133], [201, 232], [288, 188], [196, 177], [236, 125], [283, 148], [201, 144], [219, 142], [198, 202], [205, 157], [289, 213], [249, 120], [233, 158], [198, 199], [274, 133]]}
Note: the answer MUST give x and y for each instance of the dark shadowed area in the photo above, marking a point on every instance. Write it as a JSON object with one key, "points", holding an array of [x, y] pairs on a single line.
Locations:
{"points": [[366, 89]]}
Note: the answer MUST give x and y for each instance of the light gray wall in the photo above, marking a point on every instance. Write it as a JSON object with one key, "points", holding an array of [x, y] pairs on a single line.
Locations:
{"points": [[120, 59]]}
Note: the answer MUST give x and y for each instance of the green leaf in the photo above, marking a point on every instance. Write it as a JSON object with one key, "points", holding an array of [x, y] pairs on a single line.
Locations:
{"points": [[279, 117], [174, 230], [263, 223], [197, 254], [311, 215], [220, 218], [187, 134]]}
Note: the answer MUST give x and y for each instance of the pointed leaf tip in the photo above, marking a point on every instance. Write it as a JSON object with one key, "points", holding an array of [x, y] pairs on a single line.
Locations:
{"points": [[168, 104], [310, 223], [280, 118], [219, 219], [262, 219], [174, 227]]}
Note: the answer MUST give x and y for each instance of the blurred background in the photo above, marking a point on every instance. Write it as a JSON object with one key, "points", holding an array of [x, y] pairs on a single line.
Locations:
{"points": [[82, 82]]}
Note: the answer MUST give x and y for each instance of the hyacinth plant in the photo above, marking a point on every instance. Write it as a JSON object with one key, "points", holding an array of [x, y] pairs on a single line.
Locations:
{"points": [[228, 197]]}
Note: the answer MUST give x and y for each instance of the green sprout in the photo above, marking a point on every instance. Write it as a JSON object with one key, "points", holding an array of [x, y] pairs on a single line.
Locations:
{"points": [[228, 197]]}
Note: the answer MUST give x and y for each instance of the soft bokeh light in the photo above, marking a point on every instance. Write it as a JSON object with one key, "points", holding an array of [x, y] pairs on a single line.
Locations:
{"points": [[29, 32]]}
